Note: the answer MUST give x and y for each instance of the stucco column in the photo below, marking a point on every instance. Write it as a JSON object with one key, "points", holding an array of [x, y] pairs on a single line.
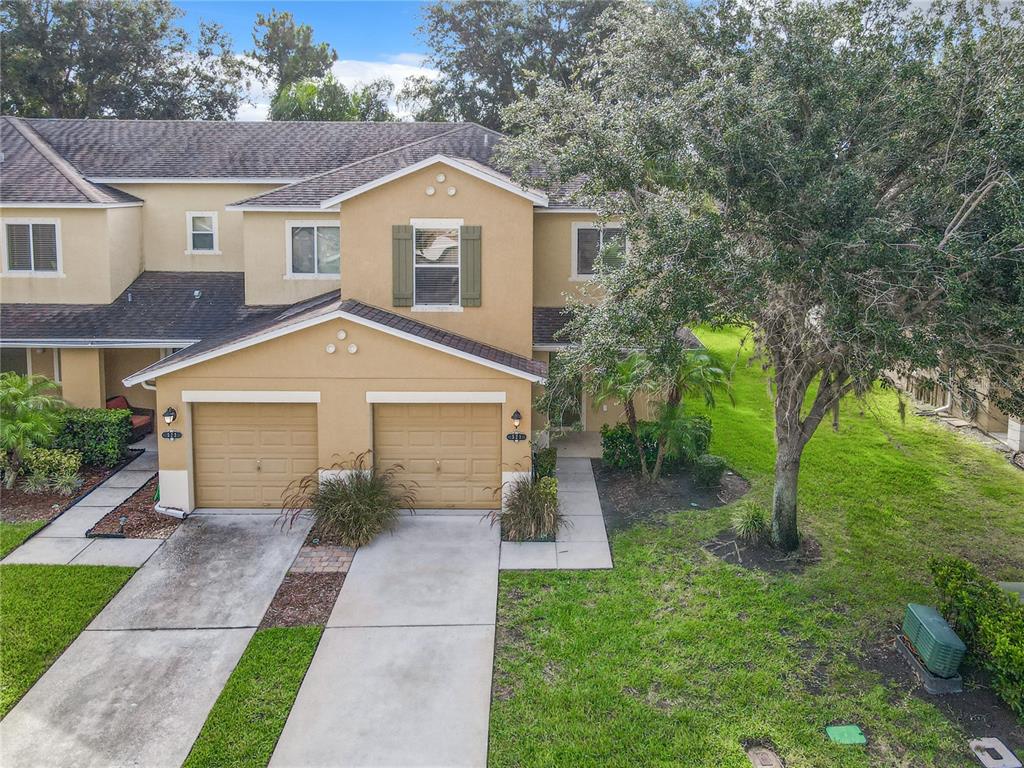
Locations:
{"points": [[1015, 434], [83, 377]]}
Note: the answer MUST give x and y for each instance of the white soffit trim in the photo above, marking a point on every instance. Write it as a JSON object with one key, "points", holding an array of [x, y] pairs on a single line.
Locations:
{"points": [[16, 204], [98, 343], [537, 198], [247, 396], [280, 209], [281, 180], [436, 397], [567, 210], [550, 347]]}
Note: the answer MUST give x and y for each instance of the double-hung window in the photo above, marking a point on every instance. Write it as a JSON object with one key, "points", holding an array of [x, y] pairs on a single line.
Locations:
{"points": [[314, 249], [32, 247], [588, 240], [202, 231], [436, 262]]}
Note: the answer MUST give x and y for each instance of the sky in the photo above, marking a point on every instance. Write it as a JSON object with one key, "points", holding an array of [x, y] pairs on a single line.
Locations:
{"points": [[373, 38]]}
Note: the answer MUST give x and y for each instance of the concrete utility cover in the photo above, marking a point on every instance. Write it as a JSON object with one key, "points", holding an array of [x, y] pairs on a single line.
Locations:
{"points": [[994, 754], [762, 757]]}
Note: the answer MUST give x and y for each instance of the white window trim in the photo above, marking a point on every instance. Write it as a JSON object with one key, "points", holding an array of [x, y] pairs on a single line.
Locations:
{"points": [[189, 250], [7, 272], [291, 224], [56, 365], [574, 275], [436, 224]]}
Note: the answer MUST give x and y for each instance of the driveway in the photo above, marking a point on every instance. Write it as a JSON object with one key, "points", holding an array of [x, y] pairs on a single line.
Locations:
{"points": [[134, 689], [402, 675]]}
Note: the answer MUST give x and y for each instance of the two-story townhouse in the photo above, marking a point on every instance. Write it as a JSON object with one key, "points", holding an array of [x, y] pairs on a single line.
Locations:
{"points": [[290, 294]]}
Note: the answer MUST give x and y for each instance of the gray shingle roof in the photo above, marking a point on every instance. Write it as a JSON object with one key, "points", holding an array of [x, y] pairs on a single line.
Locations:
{"points": [[193, 149], [158, 306], [32, 172], [547, 322]]}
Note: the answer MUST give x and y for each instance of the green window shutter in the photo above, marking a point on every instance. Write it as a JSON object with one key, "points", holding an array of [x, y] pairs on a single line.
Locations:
{"points": [[401, 265], [470, 277]]}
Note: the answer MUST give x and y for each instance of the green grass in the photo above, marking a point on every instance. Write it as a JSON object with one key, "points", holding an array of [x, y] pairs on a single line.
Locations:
{"points": [[245, 723], [13, 534], [42, 609], [675, 658]]}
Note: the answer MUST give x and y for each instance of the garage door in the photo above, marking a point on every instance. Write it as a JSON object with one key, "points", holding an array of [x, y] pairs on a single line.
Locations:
{"points": [[452, 452], [246, 454]]}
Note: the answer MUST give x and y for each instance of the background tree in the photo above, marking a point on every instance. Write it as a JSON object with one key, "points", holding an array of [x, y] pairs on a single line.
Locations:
{"points": [[327, 99], [285, 52], [492, 51], [114, 58], [843, 178]]}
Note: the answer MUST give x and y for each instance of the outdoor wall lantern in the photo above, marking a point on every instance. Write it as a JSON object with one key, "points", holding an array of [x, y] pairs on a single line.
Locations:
{"points": [[170, 415], [517, 418]]}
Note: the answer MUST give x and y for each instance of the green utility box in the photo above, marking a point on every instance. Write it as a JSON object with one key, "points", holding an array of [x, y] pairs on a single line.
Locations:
{"points": [[939, 647]]}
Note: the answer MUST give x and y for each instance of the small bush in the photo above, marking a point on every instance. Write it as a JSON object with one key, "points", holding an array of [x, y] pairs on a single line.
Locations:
{"points": [[35, 482], [750, 522], [691, 435], [531, 510], [708, 469], [100, 435], [352, 508], [52, 462], [988, 620], [544, 462]]}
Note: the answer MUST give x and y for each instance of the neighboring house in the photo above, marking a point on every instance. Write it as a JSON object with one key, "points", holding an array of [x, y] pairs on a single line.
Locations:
{"points": [[291, 294]]}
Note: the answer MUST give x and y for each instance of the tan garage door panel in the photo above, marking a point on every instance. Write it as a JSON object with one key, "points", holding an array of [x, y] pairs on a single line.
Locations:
{"points": [[246, 454], [450, 453]]}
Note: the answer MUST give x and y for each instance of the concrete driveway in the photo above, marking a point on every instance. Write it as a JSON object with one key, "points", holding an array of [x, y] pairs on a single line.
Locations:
{"points": [[402, 675], [135, 688]]}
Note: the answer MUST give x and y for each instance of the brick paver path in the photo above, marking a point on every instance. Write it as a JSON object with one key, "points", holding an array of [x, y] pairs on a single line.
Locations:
{"points": [[323, 559]]}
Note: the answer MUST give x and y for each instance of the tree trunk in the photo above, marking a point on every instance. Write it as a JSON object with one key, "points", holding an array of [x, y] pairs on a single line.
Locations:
{"points": [[787, 473], [671, 402], [631, 421]]}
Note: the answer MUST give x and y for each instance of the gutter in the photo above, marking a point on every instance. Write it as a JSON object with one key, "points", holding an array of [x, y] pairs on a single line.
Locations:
{"points": [[91, 343]]}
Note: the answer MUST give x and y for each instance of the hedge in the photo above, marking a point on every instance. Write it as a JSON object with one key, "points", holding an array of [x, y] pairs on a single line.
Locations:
{"points": [[619, 450], [101, 435], [988, 620]]}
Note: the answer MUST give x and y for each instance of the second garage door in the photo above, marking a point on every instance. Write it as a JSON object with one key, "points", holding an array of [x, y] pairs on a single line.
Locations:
{"points": [[450, 453], [246, 454]]}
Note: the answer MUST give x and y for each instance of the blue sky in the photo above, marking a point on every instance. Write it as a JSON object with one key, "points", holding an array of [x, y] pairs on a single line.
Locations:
{"points": [[373, 38]]}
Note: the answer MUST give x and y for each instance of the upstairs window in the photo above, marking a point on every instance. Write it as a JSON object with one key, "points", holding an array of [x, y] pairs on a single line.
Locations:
{"points": [[202, 231], [588, 239], [32, 246], [314, 249], [436, 262]]}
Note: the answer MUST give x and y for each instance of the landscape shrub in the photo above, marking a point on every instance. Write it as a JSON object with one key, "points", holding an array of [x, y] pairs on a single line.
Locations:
{"points": [[100, 435], [29, 418], [988, 620], [52, 469], [708, 469], [691, 436], [750, 521], [531, 510], [544, 462], [351, 507]]}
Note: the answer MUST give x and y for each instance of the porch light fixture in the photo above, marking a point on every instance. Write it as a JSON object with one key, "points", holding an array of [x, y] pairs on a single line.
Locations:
{"points": [[517, 418], [170, 415]]}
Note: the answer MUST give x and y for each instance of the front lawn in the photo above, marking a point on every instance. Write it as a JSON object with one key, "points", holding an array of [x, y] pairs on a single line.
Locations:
{"points": [[13, 534], [676, 658], [42, 609], [244, 725]]}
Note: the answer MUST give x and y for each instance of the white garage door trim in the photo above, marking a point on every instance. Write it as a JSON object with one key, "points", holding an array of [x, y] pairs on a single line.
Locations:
{"points": [[248, 396], [436, 397]]}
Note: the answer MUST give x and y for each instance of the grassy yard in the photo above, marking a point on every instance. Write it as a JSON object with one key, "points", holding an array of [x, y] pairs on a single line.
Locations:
{"points": [[244, 725], [42, 609], [675, 658], [13, 534]]}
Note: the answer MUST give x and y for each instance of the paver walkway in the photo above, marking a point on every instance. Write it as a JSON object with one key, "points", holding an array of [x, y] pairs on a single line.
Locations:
{"points": [[63, 541], [402, 675], [135, 688]]}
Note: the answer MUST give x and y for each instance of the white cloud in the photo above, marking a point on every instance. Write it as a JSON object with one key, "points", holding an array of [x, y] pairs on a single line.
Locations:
{"points": [[395, 67]]}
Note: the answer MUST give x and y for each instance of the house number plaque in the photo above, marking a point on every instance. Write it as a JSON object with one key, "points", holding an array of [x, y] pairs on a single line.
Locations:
{"points": [[171, 435], [516, 437]]}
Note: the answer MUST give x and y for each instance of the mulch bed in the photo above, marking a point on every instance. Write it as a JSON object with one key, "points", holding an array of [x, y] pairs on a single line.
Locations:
{"points": [[977, 710], [627, 500], [303, 599], [16, 506], [729, 547], [143, 522]]}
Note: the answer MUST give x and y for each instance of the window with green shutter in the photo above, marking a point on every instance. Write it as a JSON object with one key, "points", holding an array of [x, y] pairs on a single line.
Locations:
{"points": [[471, 279], [401, 265]]}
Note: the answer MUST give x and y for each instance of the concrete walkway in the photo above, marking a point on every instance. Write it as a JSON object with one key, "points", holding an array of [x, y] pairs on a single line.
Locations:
{"points": [[402, 675], [135, 688], [63, 540], [583, 544]]}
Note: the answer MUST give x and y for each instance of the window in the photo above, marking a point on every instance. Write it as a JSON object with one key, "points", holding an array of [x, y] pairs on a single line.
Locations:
{"points": [[202, 231], [32, 246], [587, 241], [436, 262], [15, 359], [314, 249]]}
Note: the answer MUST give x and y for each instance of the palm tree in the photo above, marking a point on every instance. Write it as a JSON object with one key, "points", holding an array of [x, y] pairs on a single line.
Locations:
{"points": [[626, 379], [29, 415]]}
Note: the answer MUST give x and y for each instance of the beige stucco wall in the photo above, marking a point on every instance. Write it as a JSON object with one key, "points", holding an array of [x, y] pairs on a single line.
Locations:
{"points": [[552, 257], [119, 363], [124, 244], [83, 377], [164, 233], [299, 362], [504, 317], [266, 259]]}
